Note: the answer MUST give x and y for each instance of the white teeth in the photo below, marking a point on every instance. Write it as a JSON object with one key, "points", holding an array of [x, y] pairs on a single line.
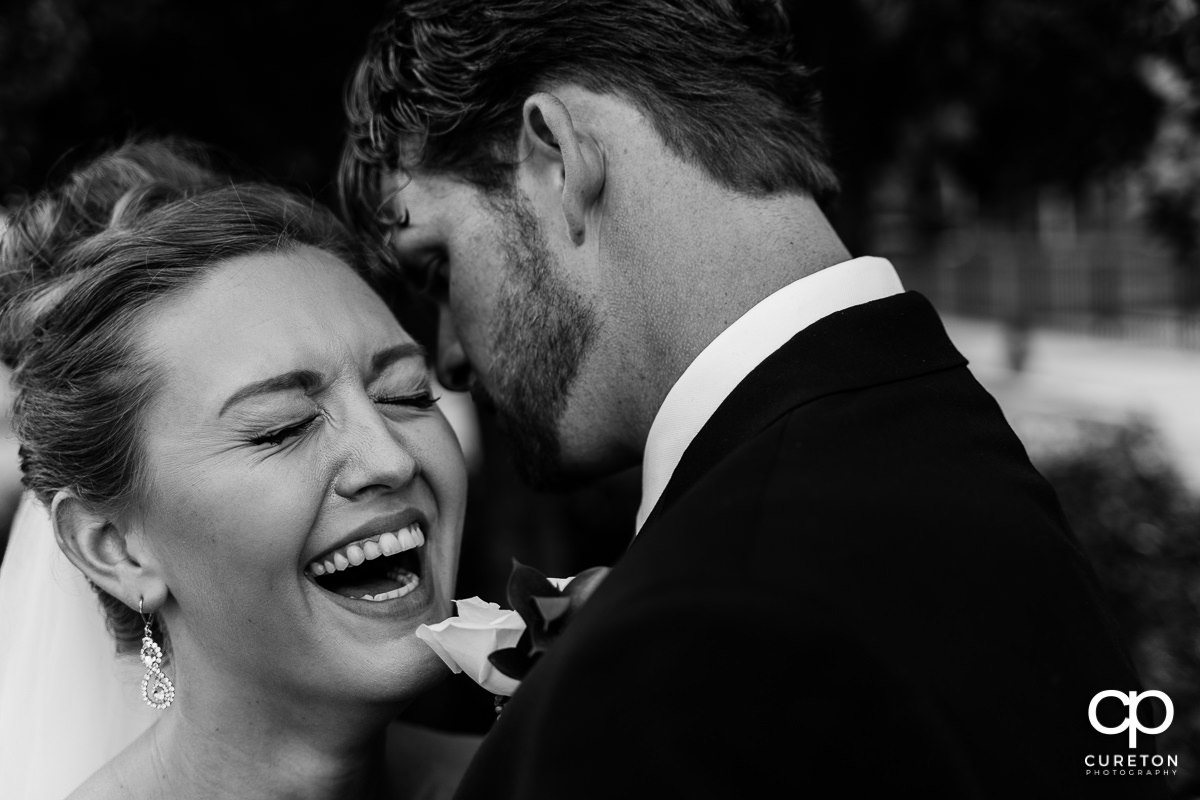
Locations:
{"points": [[387, 544], [407, 540], [401, 575], [412, 581]]}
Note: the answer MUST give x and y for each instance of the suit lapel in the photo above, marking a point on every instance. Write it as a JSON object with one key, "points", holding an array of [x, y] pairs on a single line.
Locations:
{"points": [[879, 342]]}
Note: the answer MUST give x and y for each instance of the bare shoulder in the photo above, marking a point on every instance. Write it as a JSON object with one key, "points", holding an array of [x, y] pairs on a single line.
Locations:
{"points": [[103, 784], [127, 776], [108, 783], [427, 764]]}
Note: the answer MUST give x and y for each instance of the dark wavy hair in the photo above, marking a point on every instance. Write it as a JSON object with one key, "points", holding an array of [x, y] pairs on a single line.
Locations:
{"points": [[81, 267], [442, 84]]}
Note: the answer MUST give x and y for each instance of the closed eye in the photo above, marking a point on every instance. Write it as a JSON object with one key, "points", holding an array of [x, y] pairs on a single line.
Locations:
{"points": [[280, 435], [421, 401]]}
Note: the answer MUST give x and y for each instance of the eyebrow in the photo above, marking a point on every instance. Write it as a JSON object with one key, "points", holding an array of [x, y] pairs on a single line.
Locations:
{"points": [[302, 379], [305, 379]]}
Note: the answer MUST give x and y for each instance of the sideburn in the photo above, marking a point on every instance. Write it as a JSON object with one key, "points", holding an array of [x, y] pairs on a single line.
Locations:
{"points": [[541, 334]]}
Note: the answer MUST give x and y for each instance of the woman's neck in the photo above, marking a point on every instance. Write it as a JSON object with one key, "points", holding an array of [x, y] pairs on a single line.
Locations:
{"points": [[237, 747], [196, 760]]}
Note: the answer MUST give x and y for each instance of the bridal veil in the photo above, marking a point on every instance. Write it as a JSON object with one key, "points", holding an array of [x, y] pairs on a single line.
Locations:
{"points": [[68, 704]]}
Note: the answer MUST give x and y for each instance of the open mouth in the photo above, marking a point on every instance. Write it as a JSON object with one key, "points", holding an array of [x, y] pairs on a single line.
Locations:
{"points": [[375, 569]]}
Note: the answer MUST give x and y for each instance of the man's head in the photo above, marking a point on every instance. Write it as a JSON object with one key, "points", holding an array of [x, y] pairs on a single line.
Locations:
{"points": [[488, 139]]}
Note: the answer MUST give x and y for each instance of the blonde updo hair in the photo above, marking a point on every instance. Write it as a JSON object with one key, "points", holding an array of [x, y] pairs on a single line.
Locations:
{"points": [[82, 265]]}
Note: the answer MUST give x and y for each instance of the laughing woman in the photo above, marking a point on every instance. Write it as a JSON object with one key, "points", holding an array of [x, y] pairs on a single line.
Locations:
{"points": [[239, 448]]}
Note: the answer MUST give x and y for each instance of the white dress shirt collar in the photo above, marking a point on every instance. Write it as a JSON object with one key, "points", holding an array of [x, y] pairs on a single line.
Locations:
{"points": [[740, 348]]}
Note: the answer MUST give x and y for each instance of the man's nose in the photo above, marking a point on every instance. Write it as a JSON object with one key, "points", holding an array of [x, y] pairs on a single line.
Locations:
{"points": [[453, 369]]}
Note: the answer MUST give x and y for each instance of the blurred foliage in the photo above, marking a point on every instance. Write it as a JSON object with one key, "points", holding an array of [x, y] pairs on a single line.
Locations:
{"points": [[1169, 179], [1004, 97], [1141, 528], [260, 79], [1168, 182]]}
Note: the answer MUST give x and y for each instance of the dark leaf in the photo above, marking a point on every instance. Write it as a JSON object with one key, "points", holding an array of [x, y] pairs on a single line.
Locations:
{"points": [[524, 584], [551, 609], [580, 589], [542, 641], [556, 613], [512, 662]]}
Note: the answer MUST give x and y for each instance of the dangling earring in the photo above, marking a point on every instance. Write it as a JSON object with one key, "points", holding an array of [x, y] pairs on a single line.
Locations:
{"points": [[157, 689]]}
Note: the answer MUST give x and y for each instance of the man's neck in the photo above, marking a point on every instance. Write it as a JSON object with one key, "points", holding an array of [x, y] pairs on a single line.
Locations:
{"points": [[726, 258], [741, 348]]}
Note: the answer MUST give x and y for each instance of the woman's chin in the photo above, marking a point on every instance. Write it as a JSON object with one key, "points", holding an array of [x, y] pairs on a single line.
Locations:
{"points": [[404, 672], [389, 663]]}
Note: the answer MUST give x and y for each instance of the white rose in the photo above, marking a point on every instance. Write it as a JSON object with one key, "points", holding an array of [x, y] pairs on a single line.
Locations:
{"points": [[465, 641], [481, 628]]}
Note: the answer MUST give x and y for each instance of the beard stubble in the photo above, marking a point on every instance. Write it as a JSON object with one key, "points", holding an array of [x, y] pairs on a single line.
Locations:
{"points": [[541, 333]]}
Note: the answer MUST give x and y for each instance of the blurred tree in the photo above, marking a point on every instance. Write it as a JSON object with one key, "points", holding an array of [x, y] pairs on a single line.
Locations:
{"points": [[261, 80], [1141, 528], [1005, 96], [1169, 180]]}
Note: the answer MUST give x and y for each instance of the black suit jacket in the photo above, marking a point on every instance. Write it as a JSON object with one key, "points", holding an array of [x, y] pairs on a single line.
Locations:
{"points": [[855, 583]]}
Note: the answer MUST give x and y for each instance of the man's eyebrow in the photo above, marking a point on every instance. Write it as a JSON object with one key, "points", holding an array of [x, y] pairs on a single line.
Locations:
{"points": [[301, 379], [388, 356]]}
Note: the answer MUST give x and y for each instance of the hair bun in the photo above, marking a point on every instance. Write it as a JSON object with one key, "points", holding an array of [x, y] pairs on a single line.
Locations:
{"points": [[43, 242]]}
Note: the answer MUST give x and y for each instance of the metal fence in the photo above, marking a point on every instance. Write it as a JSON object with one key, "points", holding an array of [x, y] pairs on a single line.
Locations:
{"points": [[1109, 283]]}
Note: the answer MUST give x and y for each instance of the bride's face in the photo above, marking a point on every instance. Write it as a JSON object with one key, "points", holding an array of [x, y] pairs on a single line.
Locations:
{"points": [[305, 496]]}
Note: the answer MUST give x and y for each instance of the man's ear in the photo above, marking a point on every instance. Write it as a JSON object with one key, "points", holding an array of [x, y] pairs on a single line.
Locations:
{"points": [[567, 155], [104, 552]]}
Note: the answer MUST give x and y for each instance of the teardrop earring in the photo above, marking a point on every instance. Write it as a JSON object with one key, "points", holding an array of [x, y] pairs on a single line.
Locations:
{"points": [[157, 689]]}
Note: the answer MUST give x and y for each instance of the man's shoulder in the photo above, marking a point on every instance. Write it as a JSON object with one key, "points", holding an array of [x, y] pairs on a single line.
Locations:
{"points": [[923, 579], [889, 543], [895, 340], [929, 451]]}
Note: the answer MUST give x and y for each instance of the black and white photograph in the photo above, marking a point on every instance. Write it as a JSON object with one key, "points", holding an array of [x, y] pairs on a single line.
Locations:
{"points": [[548, 400]]}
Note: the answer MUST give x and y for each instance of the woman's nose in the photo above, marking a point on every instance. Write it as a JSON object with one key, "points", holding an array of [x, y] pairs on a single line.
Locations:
{"points": [[375, 457], [453, 368]]}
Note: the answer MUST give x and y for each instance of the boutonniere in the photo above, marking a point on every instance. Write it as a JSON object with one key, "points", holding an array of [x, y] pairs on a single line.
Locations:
{"points": [[546, 607], [497, 647]]}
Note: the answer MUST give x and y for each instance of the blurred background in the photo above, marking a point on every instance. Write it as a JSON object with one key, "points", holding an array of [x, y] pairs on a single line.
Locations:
{"points": [[1033, 166]]}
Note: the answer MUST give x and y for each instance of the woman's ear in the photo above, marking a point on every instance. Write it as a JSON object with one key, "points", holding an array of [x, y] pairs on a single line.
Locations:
{"points": [[565, 155], [100, 549]]}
